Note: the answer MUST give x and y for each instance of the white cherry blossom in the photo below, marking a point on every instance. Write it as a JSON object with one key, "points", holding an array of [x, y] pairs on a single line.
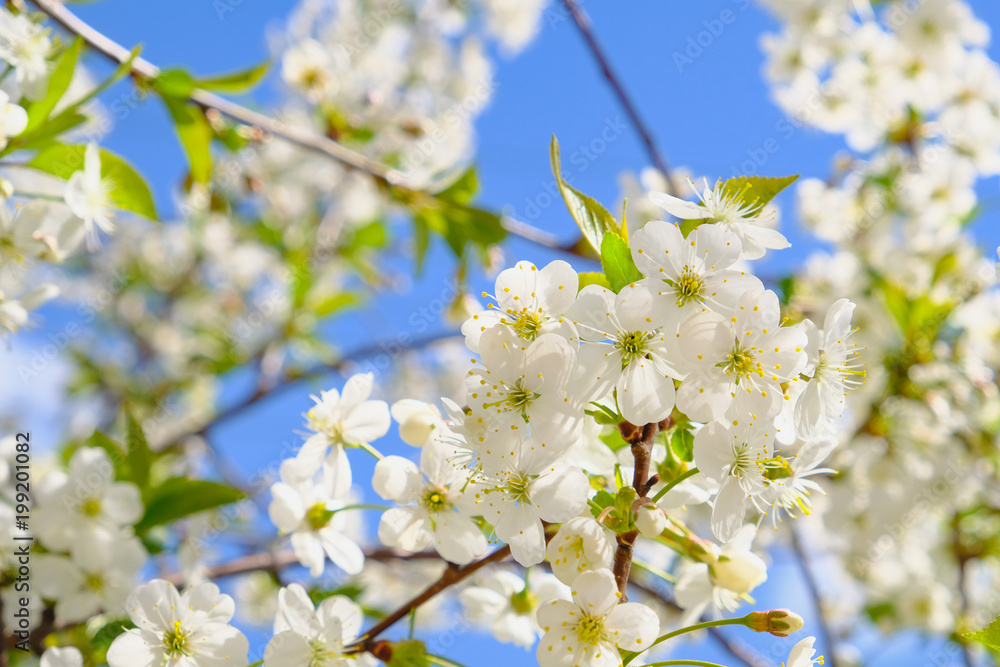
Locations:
{"points": [[580, 545], [507, 603]]}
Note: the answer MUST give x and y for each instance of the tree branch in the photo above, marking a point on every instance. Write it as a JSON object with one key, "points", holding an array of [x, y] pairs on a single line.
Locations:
{"points": [[813, 588], [641, 439], [452, 575], [583, 24], [307, 139]]}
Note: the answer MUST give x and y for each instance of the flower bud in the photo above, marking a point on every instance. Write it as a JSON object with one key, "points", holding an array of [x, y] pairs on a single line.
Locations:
{"points": [[779, 622], [739, 571], [650, 520], [417, 421]]}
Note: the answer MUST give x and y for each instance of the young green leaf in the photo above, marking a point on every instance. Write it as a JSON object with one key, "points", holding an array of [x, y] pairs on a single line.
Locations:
{"points": [[616, 259], [179, 497], [38, 112], [593, 278], [195, 134], [234, 82], [988, 636], [174, 83], [130, 191], [139, 456], [593, 219], [463, 189], [757, 189]]}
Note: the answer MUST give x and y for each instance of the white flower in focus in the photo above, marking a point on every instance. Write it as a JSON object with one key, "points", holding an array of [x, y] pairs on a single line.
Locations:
{"points": [[340, 420], [190, 629], [69, 656], [792, 494], [580, 545], [524, 483], [694, 273], [591, 629], [25, 45], [88, 196], [13, 119], [734, 458], [308, 510], [835, 368], [87, 498], [531, 301], [701, 586], [526, 382], [737, 363], [435, 508], [506, 604], [417, 421], [626, 349], [802, 654], [726, 207], [307, 636]]}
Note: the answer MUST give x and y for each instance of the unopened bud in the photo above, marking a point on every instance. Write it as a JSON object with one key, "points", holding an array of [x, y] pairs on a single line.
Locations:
{"points": [[650, 520], [779, 622]]}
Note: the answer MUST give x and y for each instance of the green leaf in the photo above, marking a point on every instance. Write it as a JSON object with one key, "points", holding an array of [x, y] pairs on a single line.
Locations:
{"points": [[174, 83], [592, 218], [139, 456], [682, 444], [235, 82], [462, 190], [334, 303], [109, 631], [408, 653], [179, 497], [118, 458], [988, 636], [44, 134], [195, 134], [371, 235], [614, 440], [757, 189], [59, 81], [130, 191], [593, 278], [616, 259], [421, 241]]}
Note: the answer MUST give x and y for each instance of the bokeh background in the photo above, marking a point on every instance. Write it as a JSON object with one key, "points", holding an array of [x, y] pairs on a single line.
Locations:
{"points": [[710, 116]]}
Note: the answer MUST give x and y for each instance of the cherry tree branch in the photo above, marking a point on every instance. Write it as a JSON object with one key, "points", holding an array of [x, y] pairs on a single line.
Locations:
{"points": [[451, 576], [307, 139], [813, 588], [583, 24]]}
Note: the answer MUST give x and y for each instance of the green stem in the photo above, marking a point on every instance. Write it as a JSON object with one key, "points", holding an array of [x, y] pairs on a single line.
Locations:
{"points": [[371, 450], [10, 68], [442, 661], [37, 195], [364, 506], [691, 628], [652, 569], [256, 664], [674, 482]]}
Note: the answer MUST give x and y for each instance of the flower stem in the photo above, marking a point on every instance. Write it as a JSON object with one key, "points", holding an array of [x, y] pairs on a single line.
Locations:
{"points": [[371, 450], [691, 628], [37, 195], [674, 482], [696, 663]]}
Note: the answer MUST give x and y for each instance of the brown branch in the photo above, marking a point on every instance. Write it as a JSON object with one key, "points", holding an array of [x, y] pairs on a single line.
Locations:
{"points": [[453, 575], [309, 140], [813, 588], [641, 439], [583, 24]]}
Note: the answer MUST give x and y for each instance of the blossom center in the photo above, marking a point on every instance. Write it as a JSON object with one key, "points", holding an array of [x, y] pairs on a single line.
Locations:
{"points": [[175, 642], [524, 603], [688, 287], [91, 507], [527, 325], [632, 346], [744, 461], [318, 516], [435, 499], [742, 362], [590, 630], [517, 487], [321, 653]]}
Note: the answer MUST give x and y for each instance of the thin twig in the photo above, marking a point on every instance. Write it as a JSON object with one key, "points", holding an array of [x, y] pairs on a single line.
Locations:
{"points": [[811, 585], [583, 24], [641, 439], [450, 577], [307, 139]]}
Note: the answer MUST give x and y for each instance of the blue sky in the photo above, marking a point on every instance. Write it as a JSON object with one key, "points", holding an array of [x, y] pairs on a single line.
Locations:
{"points": [[711, 114]]}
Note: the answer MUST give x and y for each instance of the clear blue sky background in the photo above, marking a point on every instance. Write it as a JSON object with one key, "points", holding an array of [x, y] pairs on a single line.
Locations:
{"points": [[707, 117]]}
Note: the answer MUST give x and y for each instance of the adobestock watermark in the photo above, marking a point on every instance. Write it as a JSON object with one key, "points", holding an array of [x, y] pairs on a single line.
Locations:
{"points": [[581, 159], [703, 40]]}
